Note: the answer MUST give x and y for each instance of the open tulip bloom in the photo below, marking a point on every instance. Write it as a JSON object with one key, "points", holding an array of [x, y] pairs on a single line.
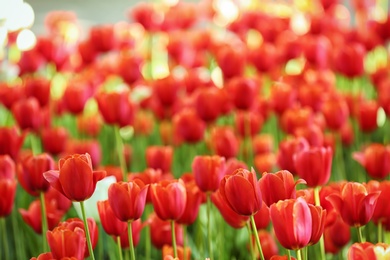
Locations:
{"points": [[185, 131]]}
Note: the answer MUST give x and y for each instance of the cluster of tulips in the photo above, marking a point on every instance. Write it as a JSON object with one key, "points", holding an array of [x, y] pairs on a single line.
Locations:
{"points": [[170, 136]]}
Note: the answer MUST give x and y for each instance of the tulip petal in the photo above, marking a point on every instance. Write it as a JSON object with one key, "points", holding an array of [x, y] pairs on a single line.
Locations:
{"points": [[52, 177], [241, 196]]}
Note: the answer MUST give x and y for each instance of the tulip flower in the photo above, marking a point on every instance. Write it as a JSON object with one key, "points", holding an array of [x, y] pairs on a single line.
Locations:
{"points": [[336, 235], [76, 168], [241, 191], [65, 243], [11, 141], [367, 250], [367, 116], [296, 223], [209, 103], [224, 142], [188, 126], [268, 243], [54, 140], [314, 165], [161, 232], [208, 172], [229, 215], [7, 167], [58, 199], [194, 199], [278, 186], [375, 159], [7, 195], [28, 114], [75, 96], [33, 216], [30, 173], [335, 111], [136, 228], [159, 157], [111, 224], [287, 149], [355, 204], [182, 253], [169, 198]]}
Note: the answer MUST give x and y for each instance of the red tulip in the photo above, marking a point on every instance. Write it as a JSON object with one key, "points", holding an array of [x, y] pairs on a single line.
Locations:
{"points": [[349, 60], [30, 61], [361, 251], [30, 173], [262, 218], [335, 111], [75, 168], [11, 141], [336, 235], [209, 102], [10, 93], [287, 149], [194, 199], [375, 159], [87, 51], [159, 157], [129, 67], [103, 37], [161, 232], [263, 143], [182, 253], [248, 118], [382, 208], [312, 133], [56, 198], [243, 91], [224, 142], [39, 88], [278, 186], [296, 223], [188, 126], [229, 215], [76, 95], [283, 96], [268, 244], [355, 205], [7, 195], [208, 172], [90, 146], [367, 116], [146, 15], [127, 199], [74, 224], [169, 198], [242, 192], [265, 57], [314, 165], [28, 114], [7, 167], [111, 224], [296, 117], [265, 162], [231, 60], [65, 243], [116, 107], [54, 139], [33, 216]]}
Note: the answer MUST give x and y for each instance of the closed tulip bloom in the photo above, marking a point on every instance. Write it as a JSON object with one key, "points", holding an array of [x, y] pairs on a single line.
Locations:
{"points": [[336, 235], [229, 215], [278, 186], [159, 157], [169, 198], [58, 199], [76, 223], [243, 91], [11, 140], [262, 217], [39, 88], [318, 215], [362, 251], [208, 172], [367, 115], [33, 216], [54, 139], [73, 169], [375, 159], [76, 95], [314, 165], [335, 110], [209, 103], [194, 199], [111, 224], [127, 199], [287, 149], [161, 232], [354, 203], [167, 252], [7, 195], [293, 223], [30, 173], [66, 243], [28, 114], [268, 244], [7, 167], [242, 192], [188, 126], [382, 208], [116, 107], [224, 142]]}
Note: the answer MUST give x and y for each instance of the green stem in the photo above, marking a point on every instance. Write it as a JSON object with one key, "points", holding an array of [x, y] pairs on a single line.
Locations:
{"points": [[131, 244], [173, 238], [256, 237], [19, 243], [380, 232], [118, 241], [360, 234], [5, 239], [148, 245], [289, 254], [250, 241], [299, 254], [87, 234], [318, 203], [209, 226], [44, 221], [120, 152]]}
